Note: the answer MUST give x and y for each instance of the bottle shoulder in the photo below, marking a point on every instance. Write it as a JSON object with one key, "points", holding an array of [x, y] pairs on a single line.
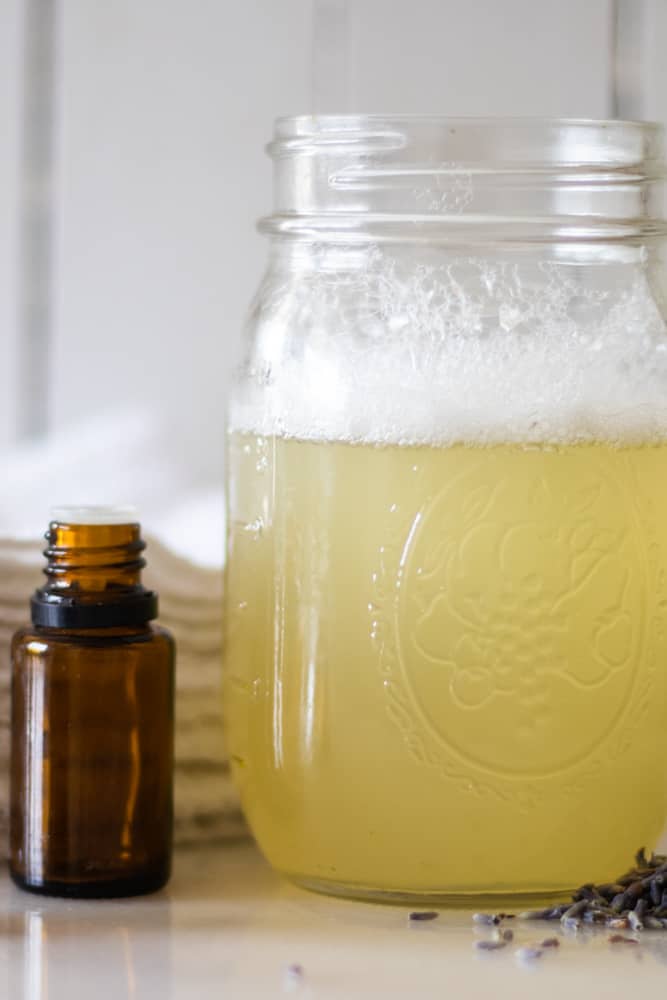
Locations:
{"points": [[162, 636], [23, 636], [44, 638]]}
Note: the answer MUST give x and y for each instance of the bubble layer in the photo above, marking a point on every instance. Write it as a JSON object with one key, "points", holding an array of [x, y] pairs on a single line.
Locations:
{"points": [[469, 349]]}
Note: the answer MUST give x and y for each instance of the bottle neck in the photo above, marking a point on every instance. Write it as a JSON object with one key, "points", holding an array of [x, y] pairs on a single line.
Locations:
{"points": [[85, 559], [93, 578]]}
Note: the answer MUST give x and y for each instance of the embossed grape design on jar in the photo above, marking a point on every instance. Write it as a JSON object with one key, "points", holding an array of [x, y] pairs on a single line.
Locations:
{"points": [[446, 598]]}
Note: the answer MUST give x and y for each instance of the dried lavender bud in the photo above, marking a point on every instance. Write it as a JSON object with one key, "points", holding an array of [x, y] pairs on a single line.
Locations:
{"points": [[535, 914], [570, 917], [489, 945], [609, 890], [634, 890], [506, 935], [658, 880], [419, 915], [637, 900], [587, 891], [655, 889], [596, 916], [293, 977]]}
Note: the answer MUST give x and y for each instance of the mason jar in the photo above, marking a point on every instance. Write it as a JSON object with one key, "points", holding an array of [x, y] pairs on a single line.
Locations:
{"points": [[446, 588]]}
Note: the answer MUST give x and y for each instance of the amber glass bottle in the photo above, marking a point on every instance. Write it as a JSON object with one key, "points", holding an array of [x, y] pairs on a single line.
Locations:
{"points": [[92, 718]]}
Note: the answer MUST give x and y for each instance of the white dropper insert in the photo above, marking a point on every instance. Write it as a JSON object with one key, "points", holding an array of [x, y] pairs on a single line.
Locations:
{"points": [[95, 514]]}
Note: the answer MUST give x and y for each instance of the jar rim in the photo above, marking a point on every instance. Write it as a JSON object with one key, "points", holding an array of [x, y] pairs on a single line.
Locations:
{"points": [[303, 119], [607, 141]]}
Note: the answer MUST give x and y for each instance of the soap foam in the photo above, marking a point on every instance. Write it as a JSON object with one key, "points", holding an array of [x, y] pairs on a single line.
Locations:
{"points": [[472, 351]]}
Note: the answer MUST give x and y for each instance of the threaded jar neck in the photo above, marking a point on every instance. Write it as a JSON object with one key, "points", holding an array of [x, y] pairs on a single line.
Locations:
{"points": [[383, 178], [93, 577]]}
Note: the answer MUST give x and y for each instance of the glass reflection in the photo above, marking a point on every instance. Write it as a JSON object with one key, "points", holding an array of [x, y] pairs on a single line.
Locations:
{"points": [[66, 950]]}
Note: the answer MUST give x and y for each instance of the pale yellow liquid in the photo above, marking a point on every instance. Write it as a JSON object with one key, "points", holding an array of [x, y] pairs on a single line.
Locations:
{"points": [[445, 667]]}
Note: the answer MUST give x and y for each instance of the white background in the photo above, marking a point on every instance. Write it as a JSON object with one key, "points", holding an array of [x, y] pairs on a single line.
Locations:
{"points": [[161, 112]]}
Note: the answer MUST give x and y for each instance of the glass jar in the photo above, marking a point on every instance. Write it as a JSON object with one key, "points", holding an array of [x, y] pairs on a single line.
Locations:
{"points": [[447, 473]]}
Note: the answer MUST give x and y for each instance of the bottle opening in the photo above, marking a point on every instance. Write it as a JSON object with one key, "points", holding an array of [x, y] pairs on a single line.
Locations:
{"points": [[94, 514]]}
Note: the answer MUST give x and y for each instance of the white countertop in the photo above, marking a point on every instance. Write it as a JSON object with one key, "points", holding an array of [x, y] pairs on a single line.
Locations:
{"points": [[227, 927]]}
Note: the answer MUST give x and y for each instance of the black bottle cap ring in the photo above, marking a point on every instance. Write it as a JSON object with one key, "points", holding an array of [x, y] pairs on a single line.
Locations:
{"points": [[55, 611]]}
